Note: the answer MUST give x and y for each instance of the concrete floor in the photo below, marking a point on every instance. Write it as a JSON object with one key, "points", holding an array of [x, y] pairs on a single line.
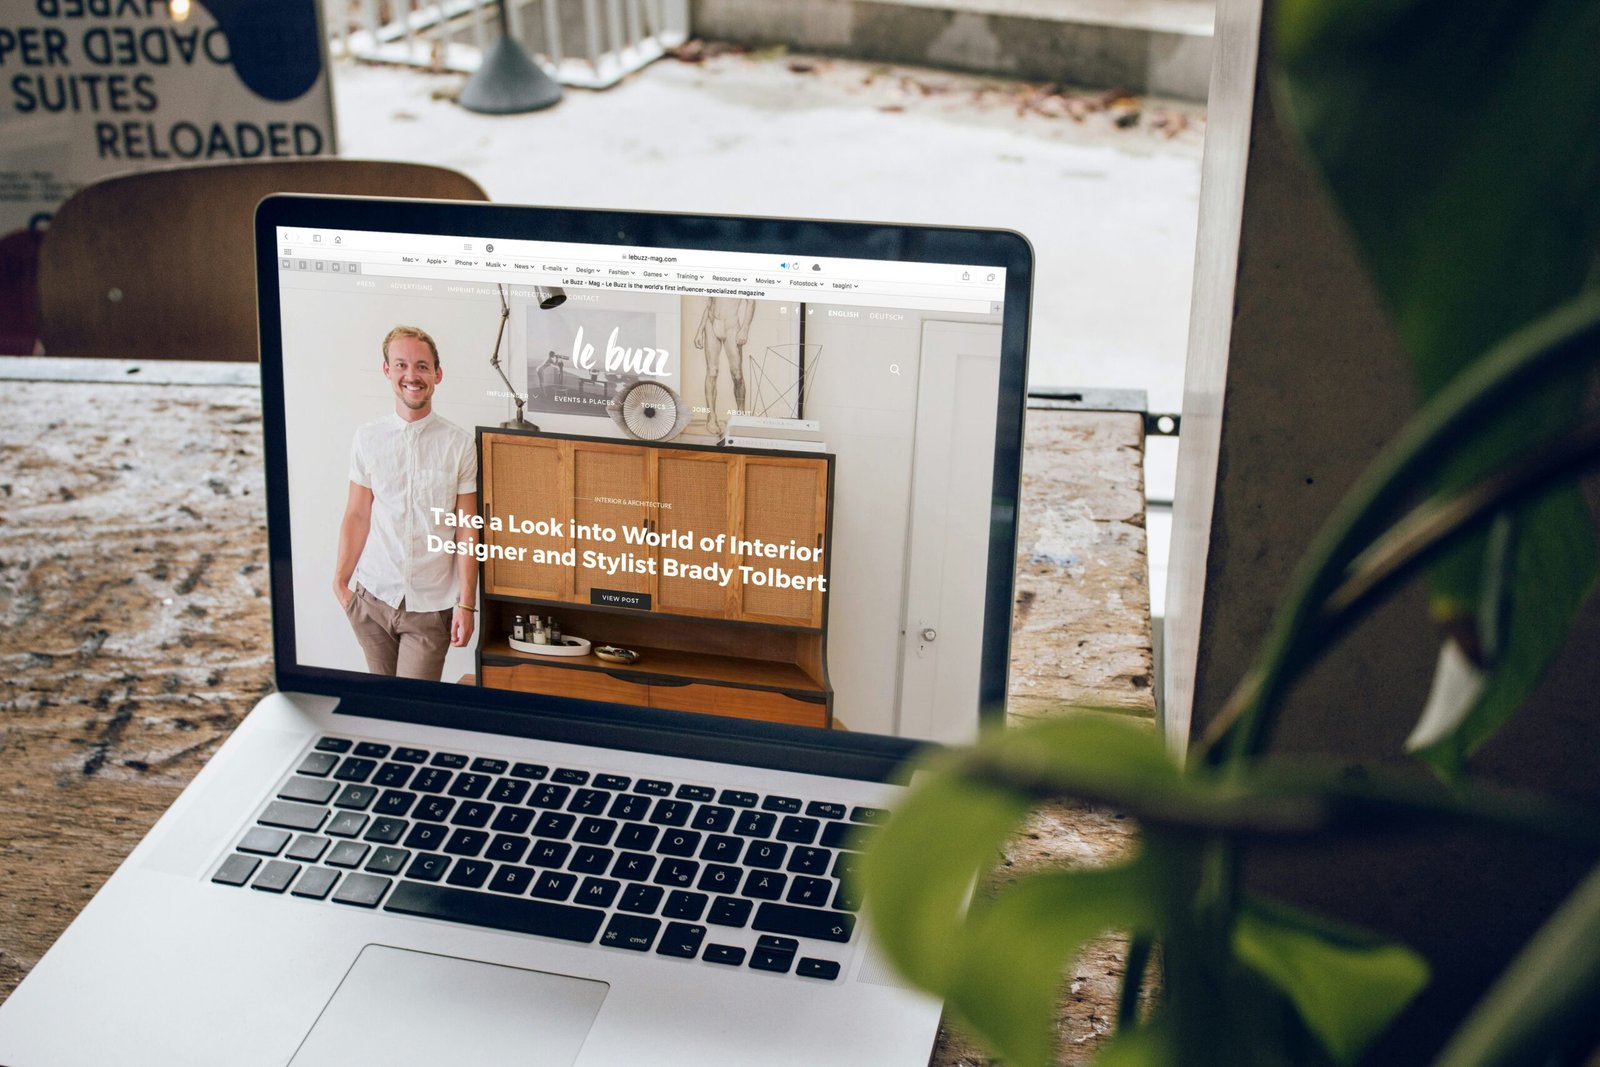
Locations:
{"points": [[1110, 210]]}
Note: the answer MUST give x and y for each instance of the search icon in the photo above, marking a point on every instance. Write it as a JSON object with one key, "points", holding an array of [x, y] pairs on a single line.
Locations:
{"points": [[894, 369]]}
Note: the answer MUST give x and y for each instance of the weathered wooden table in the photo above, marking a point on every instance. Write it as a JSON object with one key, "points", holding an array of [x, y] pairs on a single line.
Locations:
{"points": [[134, 630]]}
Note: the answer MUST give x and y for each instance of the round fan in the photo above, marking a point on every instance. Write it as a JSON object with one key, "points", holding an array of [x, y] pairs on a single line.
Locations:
{"points": [[649, 411]]}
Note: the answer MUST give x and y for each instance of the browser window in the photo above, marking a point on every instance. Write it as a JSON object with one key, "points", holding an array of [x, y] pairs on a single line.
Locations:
{"points": [[722, 483]]}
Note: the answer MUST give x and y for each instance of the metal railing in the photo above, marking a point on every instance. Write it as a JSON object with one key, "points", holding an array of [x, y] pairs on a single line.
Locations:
{"points": [[591, 44]]}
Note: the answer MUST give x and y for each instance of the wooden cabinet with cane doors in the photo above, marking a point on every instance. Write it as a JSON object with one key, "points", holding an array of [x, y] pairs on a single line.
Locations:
{"points": [[712, 562]]}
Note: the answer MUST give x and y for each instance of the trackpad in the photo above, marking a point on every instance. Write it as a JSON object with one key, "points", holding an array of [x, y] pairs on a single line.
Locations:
{"points": [[415, 1009]]}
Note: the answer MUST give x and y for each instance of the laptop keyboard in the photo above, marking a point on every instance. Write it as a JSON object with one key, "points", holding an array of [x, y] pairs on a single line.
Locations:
{"points": [[728, 877]]}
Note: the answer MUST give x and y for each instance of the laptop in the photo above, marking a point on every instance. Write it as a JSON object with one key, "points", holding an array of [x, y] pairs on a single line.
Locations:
{"points": [[619, 564]]}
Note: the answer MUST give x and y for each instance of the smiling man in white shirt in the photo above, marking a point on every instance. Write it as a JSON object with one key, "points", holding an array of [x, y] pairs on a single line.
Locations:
{"points": [[407, 605]]}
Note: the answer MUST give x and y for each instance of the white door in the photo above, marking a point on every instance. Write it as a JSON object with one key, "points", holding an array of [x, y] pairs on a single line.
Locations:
{"points": [[947, 543]]}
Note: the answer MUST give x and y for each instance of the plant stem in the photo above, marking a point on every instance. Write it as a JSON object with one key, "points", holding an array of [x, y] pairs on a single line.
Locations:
{"points": [[1132, 983]]}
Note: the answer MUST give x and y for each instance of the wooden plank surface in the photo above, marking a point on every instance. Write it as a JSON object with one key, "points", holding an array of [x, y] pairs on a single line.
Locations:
{"points": [[134, 632]]}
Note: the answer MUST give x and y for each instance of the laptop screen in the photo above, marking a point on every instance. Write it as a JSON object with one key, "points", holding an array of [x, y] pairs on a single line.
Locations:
{"points": [[769, 488]]}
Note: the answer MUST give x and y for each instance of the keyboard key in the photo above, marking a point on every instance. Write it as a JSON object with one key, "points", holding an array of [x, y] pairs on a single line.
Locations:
{"points": [[730, 911], [356, 797], [810, 860], [804, 922], [630, 806], [362, 890], [276, 877], [393, 775], [720, 878], [641, 898], [827, 970], [632, 932], [591, 859], [507, 848], [730, 955], [549, 795], [843, 835], [633, 866], [454, 761], [372, 750], [868, 815], [409, 755], [611, 781], [774, 954], [531, 771], [264, 842], [798, 830], [428, 866], [821, 810], [496, 912], [474, 813], [346, 824], [508, 791], [846, 865], [599, 892], [469, 873], [466, 842], [765, 854], [764, 885], [385, 831], [568, 776], [513, 880], [334, 744], [431, 780], [308, 790], [348, 854], [320, 764], [734, 798], [720, 848], [554, 824], [589, 802], [387, 861], [682, 904], [788, 805], [755, 824], [354, 769], [713, 819], [427, 837], [637, 837], [470, 786], [677, 872], [435, 809], [555, 885], [812, 892], [679, 843], [288, 815], [512, 821], [653, 787], [307, 848], [671, 812], [592, 831], [236, 869], [483, 765], [315, 883], [549, 853], [394, 802], [696, 792], [681, 940], [847, 898]]}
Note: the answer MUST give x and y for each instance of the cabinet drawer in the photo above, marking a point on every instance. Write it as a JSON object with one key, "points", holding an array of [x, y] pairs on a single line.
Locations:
{"points": [[739, 703], [566, 682]]}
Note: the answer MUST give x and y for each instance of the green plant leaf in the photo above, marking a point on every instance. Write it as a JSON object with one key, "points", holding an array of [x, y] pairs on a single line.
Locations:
{"points": [[1347, 986], [1007, 982], [1150, 1045], [1545, 998], [1461, 152], [920, 868]]}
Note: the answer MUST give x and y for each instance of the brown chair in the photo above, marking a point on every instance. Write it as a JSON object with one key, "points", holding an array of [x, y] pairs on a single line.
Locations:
{"points": [[160, 264]]}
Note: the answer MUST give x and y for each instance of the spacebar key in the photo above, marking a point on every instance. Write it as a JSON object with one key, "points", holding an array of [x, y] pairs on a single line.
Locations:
{"points": [[496, 912]]}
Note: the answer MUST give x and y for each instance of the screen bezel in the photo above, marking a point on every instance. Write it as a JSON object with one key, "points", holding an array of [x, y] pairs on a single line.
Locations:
{"points": [[809, 750]]}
